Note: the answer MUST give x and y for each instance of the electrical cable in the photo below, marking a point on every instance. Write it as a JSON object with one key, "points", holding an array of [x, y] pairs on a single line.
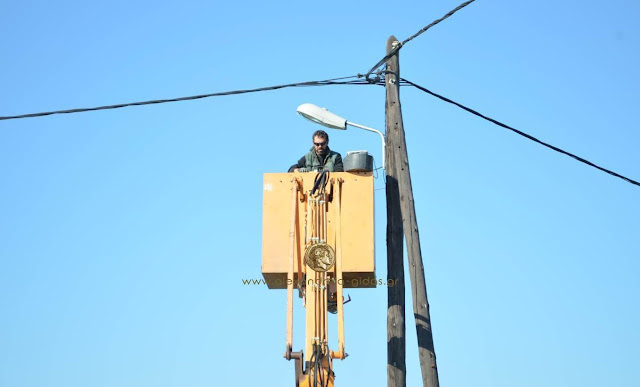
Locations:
{"points": [[580, 159], [312, 365], [424, 29], [320, 182], [334, 81], [375, 170], [320, 367]]}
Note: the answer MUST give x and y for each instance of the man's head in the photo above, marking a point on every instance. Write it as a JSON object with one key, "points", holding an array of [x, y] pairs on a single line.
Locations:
{"points": [[320, 142]]}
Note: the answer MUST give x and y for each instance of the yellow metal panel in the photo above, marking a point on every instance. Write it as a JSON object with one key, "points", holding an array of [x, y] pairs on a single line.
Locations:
{"points": [[357, 226]]}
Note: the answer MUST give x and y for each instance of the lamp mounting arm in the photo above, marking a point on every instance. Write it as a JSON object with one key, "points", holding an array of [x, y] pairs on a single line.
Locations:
{"points": [[375, 131]]}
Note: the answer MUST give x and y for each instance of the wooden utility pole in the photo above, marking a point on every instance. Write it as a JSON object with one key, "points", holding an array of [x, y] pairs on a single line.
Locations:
{"points": [[396, 352], [399, 166]]}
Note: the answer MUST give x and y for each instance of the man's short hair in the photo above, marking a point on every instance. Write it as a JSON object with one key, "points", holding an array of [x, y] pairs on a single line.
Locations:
{"points": [[321, 134]]}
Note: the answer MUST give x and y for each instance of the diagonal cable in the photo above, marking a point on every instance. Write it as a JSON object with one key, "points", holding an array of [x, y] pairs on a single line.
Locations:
{"points": [[326, 82], [399, 46], [530, 137]]}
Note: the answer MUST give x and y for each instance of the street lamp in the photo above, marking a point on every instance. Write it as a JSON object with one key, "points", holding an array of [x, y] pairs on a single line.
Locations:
{"points": [[324, 117]]}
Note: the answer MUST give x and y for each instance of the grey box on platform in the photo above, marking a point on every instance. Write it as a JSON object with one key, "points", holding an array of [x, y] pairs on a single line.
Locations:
{"points": [[358, 161]]}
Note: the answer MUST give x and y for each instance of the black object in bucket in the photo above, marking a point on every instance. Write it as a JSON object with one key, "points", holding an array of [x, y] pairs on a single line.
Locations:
{"points": [[358, 161]]}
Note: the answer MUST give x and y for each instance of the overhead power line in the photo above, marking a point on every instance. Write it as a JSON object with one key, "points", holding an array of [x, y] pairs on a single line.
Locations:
{"points": [[530, 137], [425, 28], [334, 81]]}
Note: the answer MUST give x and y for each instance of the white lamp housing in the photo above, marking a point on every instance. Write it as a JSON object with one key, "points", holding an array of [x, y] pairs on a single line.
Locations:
{"points": [[322, 116]]}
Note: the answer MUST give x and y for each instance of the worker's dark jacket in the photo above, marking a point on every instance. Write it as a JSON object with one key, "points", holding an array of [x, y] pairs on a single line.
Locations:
{"points": [[331, 161]]}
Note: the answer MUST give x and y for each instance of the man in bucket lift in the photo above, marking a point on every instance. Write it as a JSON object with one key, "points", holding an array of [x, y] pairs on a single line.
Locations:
{"points": [[320, 157]]}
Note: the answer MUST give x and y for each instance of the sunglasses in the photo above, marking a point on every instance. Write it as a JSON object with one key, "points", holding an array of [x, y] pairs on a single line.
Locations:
{"points": [[320, 143]]}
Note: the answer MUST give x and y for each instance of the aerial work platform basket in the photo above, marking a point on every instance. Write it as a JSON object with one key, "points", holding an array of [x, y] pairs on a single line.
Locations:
{"points": [[357, 221]]}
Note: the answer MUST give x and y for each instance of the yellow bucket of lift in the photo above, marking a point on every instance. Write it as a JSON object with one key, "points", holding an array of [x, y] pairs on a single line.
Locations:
{"points": [[357, 221]]}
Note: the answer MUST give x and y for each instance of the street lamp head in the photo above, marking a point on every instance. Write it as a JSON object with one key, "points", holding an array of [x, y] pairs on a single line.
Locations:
{"points": [[322, 116]]}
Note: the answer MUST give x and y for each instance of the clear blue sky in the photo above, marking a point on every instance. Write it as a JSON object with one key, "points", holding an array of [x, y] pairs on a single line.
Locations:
{"points": [[125, 234]]}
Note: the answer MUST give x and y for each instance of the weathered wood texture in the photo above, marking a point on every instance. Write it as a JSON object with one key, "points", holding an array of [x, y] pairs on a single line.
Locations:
{"points": [[396, 351], [400, 163]]}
